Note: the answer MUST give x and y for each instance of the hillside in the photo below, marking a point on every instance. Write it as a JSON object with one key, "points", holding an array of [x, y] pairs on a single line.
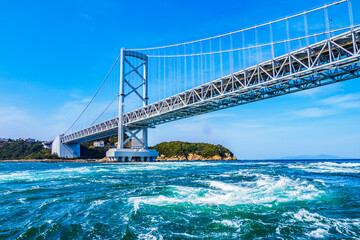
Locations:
{"points": [[181, 151], [185, 151], [87, 149], [24, 150], [19, 149]]}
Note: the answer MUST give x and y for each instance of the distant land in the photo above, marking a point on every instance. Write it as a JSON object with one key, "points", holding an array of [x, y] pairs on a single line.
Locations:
{"points": [[30, 149]]}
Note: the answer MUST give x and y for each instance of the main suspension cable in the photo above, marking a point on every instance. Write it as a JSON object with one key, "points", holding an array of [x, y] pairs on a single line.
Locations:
{"points": [[244, 29], [256, 46], [77, 119]]}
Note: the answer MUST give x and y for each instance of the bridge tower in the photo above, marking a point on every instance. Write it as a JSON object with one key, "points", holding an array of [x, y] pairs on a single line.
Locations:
{"points": [[125, 151]]}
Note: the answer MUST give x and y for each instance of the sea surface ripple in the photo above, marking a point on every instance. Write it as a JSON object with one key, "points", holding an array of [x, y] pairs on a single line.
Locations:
{"points": [[181, 200]]}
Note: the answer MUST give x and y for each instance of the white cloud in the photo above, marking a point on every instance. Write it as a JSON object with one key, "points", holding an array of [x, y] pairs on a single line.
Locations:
{"points": [[320, 91], [17, 123], [314, 112], [341, 99], [11, 115], [308, 93], [350, 105], [247, 125], [336, 104], [212, 116], [69, 112]]}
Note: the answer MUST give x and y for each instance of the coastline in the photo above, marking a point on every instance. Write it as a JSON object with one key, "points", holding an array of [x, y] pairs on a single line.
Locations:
{"points": [[51, 160], [100, 160]]}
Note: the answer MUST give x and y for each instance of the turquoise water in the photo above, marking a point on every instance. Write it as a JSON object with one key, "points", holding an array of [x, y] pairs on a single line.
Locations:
{"points": [[180, 200]]}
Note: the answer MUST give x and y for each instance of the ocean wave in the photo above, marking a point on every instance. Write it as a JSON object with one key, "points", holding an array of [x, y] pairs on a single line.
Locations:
{"points": [[319, 226], [66, 172], [230, 223], [152, 234], [264, 191], [42, 175], [328, 167]]}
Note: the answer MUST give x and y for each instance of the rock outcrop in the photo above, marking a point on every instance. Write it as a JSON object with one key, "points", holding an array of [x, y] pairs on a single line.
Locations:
{"points": [[195, 157]]}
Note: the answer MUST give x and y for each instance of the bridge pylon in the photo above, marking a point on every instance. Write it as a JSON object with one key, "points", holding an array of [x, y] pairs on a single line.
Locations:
{"points": [[130, 146]]}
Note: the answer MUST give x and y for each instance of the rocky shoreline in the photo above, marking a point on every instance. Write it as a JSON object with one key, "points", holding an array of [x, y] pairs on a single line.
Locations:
{"points": [[195, 157], [52, 160], [191, 157]]}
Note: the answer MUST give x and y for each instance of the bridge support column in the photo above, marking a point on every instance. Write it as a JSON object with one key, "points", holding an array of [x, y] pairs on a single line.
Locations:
{"points": [[126, 155], [65, 150], [134, 66]]}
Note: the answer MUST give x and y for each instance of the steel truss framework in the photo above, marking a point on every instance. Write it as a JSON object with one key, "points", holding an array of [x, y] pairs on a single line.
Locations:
{"points": [[332, 60]]}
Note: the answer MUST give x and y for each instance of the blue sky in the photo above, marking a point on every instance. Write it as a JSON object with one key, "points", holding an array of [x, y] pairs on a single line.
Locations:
{"points": [[54, 54]]}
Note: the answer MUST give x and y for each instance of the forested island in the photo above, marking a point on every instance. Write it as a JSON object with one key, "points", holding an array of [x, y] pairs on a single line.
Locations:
{"points": [[168, 151], [185, 151]]}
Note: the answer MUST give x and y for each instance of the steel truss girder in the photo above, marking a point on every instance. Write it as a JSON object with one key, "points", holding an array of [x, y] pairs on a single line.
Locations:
{"points": [[332, 60]]}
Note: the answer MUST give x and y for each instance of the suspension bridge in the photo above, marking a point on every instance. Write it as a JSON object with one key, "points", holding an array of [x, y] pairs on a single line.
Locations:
{"points": [[299, 52]]}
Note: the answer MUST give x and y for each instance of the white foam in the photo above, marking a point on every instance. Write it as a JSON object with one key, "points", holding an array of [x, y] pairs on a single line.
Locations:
{"points": [[223, 186], [228, 223], [150, 235], [305, 216], [43, 204], [344, 164], [136, 206], [328, 167], [41, 175], [318, 233], [319, 225], [278, 228], [96, 203], [266, 191], [18, 175]]}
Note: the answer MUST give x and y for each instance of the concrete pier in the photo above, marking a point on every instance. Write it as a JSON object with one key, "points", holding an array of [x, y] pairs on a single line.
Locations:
{"points": [[132, 155], [71, 150]]}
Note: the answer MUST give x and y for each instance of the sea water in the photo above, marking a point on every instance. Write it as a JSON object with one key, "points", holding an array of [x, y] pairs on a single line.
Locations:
{"points": [[181, 200]]}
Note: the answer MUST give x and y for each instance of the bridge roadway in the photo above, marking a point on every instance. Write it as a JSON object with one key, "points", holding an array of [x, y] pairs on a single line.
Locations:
{"points": [[332, 60]]}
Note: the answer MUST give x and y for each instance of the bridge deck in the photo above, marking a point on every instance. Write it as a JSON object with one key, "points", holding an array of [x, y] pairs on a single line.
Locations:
{"points": [[329, 61]]}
